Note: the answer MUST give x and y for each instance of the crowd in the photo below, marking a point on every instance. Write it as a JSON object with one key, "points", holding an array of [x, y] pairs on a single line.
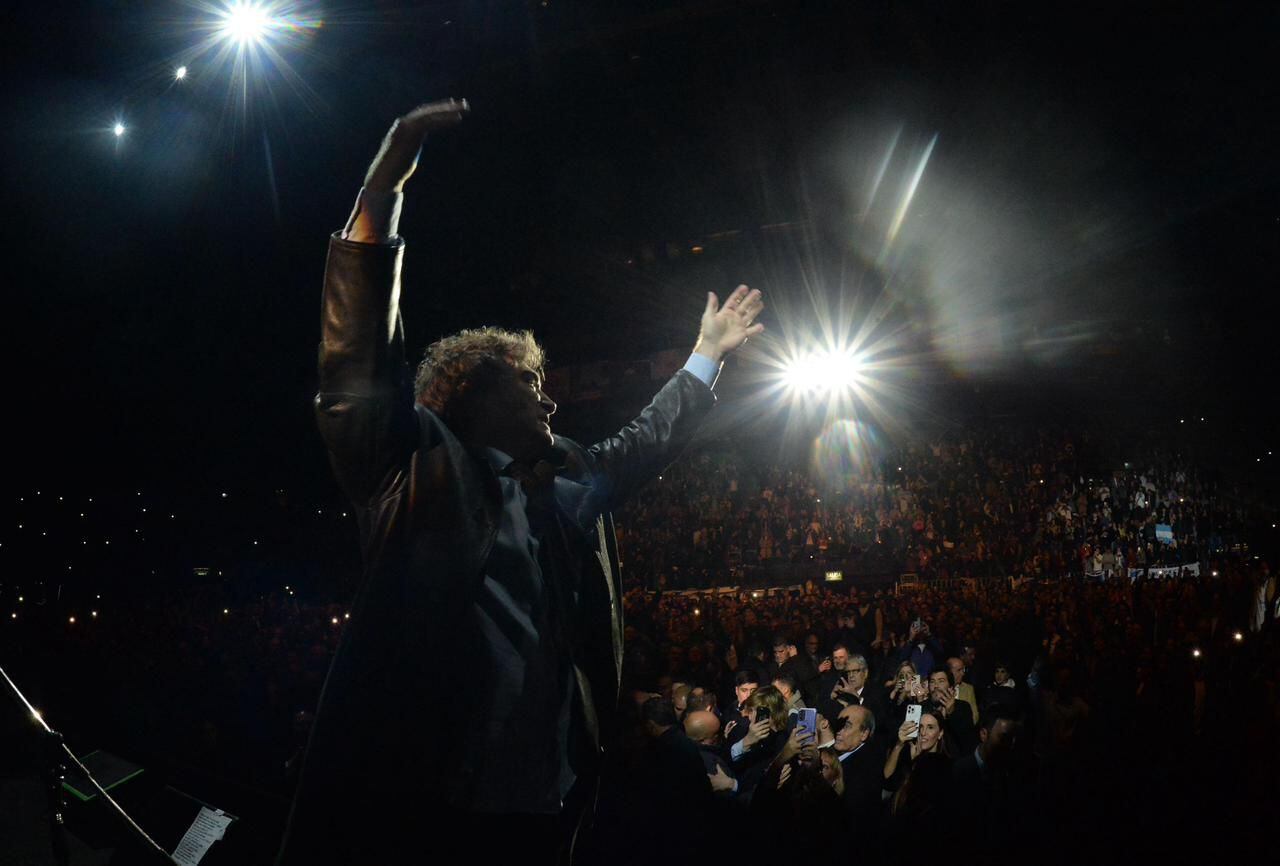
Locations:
{"points": [[865, 721], [997, 504], [992, 722]]}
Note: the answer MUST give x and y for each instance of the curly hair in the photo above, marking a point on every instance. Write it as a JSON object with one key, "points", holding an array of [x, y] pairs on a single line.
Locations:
{"points": [[469, 358]]}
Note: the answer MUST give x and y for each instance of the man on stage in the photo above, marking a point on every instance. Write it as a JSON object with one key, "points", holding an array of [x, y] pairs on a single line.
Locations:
{"points": [[486, 538]]}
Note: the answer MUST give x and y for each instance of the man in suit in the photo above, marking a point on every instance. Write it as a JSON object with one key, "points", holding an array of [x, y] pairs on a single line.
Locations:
{"points": [[855, 689], [862, 765], [481, 529]]}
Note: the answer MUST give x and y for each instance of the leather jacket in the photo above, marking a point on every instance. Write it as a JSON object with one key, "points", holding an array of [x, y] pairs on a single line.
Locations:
{"points": [[428, 509]]}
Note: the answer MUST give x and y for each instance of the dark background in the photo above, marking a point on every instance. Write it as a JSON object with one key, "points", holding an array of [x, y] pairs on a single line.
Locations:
{"points": [[1095, 232]]}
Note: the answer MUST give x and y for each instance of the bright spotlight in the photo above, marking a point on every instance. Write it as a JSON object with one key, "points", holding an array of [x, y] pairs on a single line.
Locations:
{"points": [[830, 372], [180, 73], [245, 23], [1239, 636], [118, 130]]}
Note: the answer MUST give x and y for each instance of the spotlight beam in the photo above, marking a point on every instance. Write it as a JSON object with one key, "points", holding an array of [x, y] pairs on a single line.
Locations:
{"points": [[911, 191]]}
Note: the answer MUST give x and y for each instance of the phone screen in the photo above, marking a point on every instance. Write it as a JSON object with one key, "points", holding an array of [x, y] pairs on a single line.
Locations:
{"points": [[762, 714], [807, 722]]}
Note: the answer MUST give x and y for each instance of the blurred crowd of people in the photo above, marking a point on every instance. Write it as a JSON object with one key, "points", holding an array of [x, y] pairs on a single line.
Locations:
{"points": [[996, 504]]}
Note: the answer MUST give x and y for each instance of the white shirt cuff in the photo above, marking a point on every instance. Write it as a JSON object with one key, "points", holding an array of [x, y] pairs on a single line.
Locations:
{"points": [[736, 750]]}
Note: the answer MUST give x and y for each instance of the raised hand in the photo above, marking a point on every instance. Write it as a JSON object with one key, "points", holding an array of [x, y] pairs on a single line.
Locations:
{"points": [[398, 155], [726, 328], [759, 731]]}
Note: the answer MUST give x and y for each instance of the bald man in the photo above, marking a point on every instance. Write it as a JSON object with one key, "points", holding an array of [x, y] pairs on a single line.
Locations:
{"points": [[703, 728], [863, 768]]}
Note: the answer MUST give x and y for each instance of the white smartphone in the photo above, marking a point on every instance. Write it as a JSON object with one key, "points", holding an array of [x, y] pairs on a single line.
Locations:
{"points": [[913, 715]]}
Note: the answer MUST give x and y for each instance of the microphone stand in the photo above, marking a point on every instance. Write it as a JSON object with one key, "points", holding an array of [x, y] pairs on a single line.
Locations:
{"points": [[55, 769]]}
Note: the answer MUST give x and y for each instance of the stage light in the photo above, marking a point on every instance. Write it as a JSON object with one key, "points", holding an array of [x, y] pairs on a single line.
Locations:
{"points": [[1238, 636], [180, 73], [245, 23], [829, 372], [118, 130]]}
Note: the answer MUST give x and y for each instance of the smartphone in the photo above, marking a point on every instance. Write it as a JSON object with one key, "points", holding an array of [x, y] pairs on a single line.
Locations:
{"points": [[914, 712], [807, 722], [915, 683], [762, 714]]}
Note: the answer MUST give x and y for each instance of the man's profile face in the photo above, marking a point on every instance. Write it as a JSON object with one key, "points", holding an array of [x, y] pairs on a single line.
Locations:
{"points": [[851, 735], [513, 414], [957, 669], [780, 654]]}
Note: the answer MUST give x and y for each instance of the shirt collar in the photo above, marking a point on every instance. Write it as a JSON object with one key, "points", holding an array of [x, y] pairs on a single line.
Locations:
{"points": [[499, 460], [850, 752], [977, 754]]}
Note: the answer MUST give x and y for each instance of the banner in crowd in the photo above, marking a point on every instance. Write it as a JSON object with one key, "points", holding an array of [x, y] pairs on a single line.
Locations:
{"points": [[1190, 569], [1164, 533]]}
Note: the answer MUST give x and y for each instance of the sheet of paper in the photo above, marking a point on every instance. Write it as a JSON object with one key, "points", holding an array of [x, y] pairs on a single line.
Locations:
{"points": [[208, 827]]}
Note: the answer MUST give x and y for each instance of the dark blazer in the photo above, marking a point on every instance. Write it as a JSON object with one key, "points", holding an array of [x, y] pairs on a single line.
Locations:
{"points": [[428, 509]]}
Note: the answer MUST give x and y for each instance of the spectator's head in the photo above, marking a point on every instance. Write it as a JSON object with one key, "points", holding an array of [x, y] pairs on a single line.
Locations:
{"points": [[940, 683], [812, 643], [786, 683], [486, 384], [657, 716], [955, 664], [839, 656], [745, 683], [832, 770], [931, 733], [848, 617], [855, 725], [997, 736], [856, 671], [702, 727], [906, 671], [779, 649], [680, 698], [772, 701], [700, 699], [1001, 674]]}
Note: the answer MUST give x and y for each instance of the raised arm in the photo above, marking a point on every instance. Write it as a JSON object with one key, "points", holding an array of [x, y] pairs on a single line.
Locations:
{"points": [[364, 406], [630, 458]]}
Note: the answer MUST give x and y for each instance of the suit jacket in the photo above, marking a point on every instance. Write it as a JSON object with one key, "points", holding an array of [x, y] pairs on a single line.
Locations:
{"points": [[428, 509]]}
